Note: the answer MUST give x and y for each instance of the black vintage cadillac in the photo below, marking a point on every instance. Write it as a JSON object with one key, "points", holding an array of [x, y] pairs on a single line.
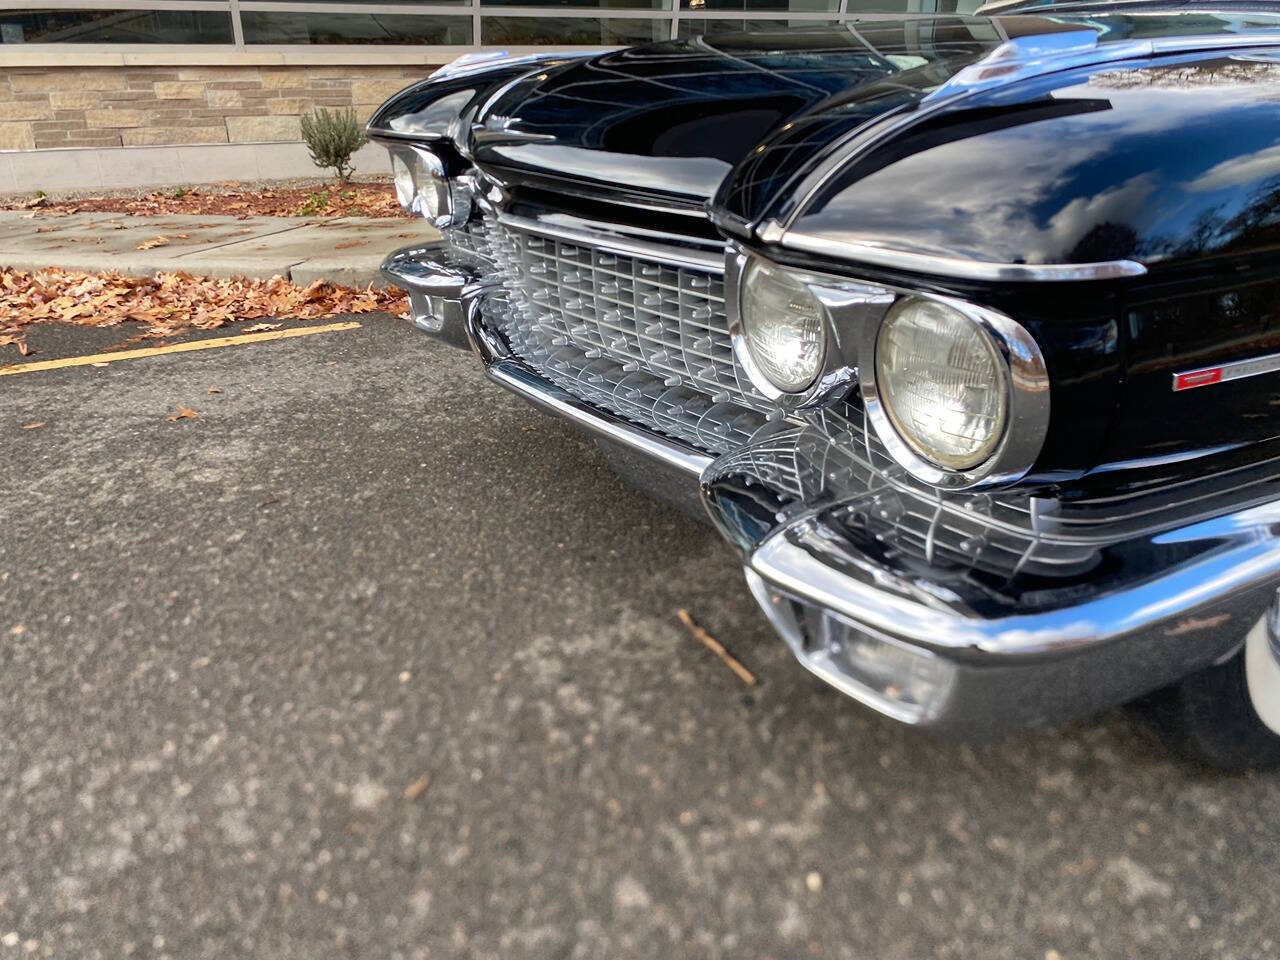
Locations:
{"points": [[964, 331]]}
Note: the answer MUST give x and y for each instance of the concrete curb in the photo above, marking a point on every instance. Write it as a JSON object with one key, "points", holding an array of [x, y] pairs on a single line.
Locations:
{"points": [[344, 250]]}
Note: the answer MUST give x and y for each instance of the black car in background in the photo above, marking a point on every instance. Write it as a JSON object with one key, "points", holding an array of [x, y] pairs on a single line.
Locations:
{"points": [[964, 331]]}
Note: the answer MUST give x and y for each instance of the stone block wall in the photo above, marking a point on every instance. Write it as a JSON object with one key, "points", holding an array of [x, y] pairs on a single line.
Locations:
{"points": [[43, 108]]}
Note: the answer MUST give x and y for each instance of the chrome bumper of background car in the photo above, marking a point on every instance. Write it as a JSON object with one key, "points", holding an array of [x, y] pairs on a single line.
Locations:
{"points": [[892, 637]]}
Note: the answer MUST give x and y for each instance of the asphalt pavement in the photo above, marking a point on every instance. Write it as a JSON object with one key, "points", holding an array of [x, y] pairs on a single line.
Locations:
{"points": [[371, 660]]}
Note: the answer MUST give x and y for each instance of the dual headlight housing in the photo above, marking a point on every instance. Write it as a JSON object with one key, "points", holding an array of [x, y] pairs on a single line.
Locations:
{"points": [[957, 393], [424, 188]]}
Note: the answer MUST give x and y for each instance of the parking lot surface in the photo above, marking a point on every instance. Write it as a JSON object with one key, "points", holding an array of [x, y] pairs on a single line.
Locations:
{"points": [[371, 660]]}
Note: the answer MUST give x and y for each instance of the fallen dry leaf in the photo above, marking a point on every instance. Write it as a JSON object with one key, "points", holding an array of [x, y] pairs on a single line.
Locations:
{"points": [[168, 303], [153, 243], [416, 789], [184, 413], [320, 200], [263, 327], [215, 390], [34, 426]]}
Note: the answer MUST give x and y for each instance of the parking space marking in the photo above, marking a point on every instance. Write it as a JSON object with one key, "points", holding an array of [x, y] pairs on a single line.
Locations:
{"points": [[212, 344]]}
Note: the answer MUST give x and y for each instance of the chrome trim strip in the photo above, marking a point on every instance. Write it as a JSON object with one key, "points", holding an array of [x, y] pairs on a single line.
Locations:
{"points": [[1222, 372], [863, 251], [680, 256], [383, 136], [519, 379]]}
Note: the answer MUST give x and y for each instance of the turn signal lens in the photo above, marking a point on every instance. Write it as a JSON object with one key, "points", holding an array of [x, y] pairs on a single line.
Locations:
{"points": [[943, 383], [783, 326]]}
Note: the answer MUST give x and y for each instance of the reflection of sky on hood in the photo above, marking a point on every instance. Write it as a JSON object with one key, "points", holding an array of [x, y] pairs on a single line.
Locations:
{"points": [[1155, 162]]}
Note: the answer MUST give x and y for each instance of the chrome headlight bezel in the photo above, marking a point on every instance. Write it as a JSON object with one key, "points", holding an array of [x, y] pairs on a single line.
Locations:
{"points": [[441, 201], [855, 311], [746, 337], [836, 371], [1026, 403]]}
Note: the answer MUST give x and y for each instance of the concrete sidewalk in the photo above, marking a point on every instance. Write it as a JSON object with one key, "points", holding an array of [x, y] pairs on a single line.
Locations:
{"points": [[342, 250]]}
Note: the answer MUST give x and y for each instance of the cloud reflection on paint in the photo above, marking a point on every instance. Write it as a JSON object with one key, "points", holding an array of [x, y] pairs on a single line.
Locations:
{"points": [[1131, 178]]}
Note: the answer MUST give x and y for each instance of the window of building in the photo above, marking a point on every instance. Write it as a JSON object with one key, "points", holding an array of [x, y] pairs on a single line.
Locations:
{"points": [[458, 25]]}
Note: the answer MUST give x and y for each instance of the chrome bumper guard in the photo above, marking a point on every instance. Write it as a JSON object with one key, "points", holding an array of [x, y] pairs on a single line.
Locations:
{"points": [[922, 651]]}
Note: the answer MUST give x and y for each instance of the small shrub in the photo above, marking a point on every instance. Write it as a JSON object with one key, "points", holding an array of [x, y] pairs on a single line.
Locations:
{"points": [[331, 138]]}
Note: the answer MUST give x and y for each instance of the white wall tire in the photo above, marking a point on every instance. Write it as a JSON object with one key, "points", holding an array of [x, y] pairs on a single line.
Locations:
{"points": [[1225, 716], [1262, 675]]}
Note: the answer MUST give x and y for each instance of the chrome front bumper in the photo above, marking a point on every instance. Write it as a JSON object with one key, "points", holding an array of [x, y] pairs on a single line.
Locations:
{"points": [[913, 647]]}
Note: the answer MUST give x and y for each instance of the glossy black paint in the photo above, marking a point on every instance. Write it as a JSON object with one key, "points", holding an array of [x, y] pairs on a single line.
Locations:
{"points": [[1165, 162], [1171, 160], [440, 111], [673, 119]]}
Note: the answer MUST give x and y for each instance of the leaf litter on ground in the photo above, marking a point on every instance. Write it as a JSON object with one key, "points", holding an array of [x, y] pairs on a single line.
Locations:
{"points": [[352, 200], [170, 303]]}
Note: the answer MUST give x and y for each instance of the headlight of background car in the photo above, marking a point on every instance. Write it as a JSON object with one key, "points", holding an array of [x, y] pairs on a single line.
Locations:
{"points": [[943, 383], [783, 326], [423, 188], [406, 187]]}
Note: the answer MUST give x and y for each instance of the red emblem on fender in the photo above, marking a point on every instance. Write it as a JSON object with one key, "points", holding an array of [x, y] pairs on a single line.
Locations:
{"points": [[1197, 378]]}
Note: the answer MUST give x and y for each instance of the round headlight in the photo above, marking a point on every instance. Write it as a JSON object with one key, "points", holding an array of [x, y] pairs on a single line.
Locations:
{"points": [[783, 327], [943, 383]]}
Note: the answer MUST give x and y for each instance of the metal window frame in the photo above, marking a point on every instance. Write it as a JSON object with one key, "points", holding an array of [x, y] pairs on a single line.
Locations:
{"points": [[477, 10]]}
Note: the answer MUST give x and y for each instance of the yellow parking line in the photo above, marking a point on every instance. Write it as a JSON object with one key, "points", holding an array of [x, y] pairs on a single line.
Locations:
{"points": [[187, 347]]}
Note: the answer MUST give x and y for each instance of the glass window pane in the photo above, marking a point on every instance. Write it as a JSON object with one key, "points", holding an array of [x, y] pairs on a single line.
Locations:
{"points": [[616, 4], [766, 6], [115, 26], [907, 6], [698, 26], [382, 3], [262, 26], [586, 31]]}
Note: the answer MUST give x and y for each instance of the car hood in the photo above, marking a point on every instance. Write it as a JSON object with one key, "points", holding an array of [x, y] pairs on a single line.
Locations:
{"points": [[676, 118], [739, 117]]}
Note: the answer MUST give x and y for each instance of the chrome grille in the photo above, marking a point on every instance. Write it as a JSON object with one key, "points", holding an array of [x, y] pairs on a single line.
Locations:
{"points": [[643, 338]]}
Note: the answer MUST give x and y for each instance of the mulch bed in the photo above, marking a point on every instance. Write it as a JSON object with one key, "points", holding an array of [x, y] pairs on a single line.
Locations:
{"points": [[334, 200]]}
